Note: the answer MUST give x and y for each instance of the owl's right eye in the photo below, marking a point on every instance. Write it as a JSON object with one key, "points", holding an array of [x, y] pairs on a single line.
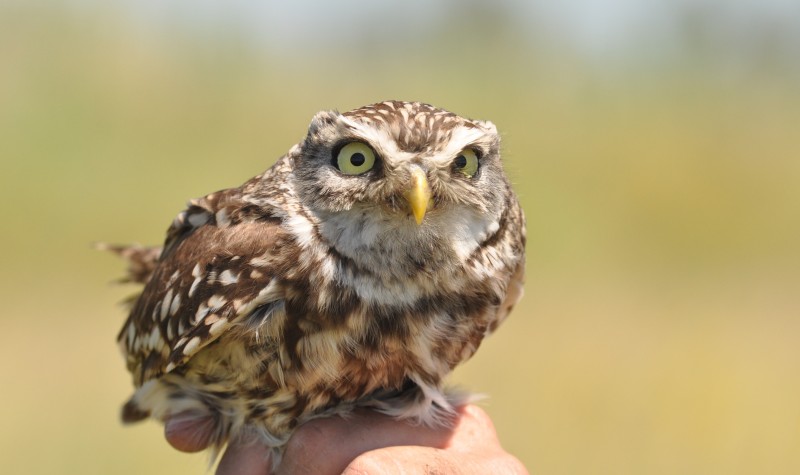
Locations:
{"points": [[354, 158]]}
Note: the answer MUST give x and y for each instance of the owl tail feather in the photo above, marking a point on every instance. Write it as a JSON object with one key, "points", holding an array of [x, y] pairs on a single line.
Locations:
{"points": [[141, 260], [131, 412]]}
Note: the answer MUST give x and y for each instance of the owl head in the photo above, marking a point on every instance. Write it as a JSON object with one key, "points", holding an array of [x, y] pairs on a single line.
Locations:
{"points": [[402, 170]]}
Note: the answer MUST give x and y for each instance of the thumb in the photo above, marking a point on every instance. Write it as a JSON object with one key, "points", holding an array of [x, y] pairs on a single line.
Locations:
{"points": [[189, 431]]}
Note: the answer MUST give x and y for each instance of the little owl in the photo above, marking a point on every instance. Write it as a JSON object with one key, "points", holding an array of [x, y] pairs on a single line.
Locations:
{"points": [[357, 271]]}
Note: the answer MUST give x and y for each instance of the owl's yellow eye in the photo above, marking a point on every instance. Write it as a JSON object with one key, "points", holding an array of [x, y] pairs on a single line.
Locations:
{"points": [[466, 162], [355, 158]]}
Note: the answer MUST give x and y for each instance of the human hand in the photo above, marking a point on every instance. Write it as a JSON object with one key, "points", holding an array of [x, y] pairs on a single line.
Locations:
{"points": [[367, 442]]}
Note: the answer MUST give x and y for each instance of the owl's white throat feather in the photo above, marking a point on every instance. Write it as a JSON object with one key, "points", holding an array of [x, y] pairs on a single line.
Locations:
{"points": [[397, 248]]}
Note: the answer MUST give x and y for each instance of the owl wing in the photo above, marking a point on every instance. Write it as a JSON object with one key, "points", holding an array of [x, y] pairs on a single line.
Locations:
{"points": [[218, 265], [513, 237], [513, 295]]}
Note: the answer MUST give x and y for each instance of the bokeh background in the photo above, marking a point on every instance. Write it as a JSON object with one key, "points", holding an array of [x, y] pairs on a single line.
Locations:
{"points": [[655, 146]]}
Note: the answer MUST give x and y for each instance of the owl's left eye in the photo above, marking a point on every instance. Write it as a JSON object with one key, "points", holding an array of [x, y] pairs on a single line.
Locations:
{"points": [[355, 158], [466, 162]]}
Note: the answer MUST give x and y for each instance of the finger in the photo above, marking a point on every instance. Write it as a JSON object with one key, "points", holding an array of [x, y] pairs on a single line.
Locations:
{"points": [[404, 460], [327, 446], [245, 459], [189, 431], [474, 430]]}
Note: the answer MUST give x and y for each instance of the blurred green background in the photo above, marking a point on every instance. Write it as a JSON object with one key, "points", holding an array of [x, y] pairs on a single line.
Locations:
{"points": [[655, 147]]}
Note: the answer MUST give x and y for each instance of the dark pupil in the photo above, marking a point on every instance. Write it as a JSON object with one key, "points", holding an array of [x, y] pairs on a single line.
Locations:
{"points": [[461, 161], [357, 159]]}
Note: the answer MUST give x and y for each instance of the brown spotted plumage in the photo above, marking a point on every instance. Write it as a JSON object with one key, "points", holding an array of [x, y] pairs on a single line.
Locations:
{"points": [[359, 270]]}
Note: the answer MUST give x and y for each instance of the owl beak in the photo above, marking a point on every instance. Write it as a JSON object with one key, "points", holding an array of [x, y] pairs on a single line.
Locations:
{"points": [[419, 194]]}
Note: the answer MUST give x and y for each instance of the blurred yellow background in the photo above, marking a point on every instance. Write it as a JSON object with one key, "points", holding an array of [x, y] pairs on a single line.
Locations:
{"points": [[656, 151]]}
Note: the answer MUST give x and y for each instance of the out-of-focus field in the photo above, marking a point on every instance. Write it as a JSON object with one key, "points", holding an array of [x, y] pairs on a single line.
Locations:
{"points": [[659, 331]]}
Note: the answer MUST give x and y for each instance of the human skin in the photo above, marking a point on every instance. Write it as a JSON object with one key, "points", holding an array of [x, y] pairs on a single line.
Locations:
{"points": [[365, 442]]}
